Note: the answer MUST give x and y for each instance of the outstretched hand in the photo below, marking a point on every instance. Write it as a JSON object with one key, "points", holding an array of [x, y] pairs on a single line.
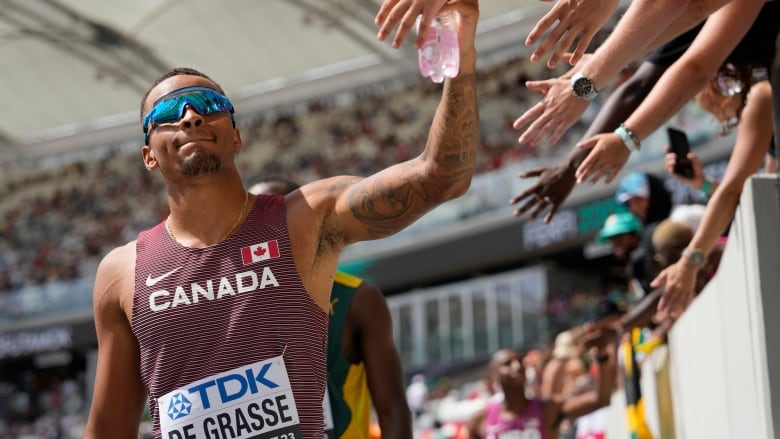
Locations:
{"points": [[550, 191], [558, 110], [569, 20], [404, 13], [679, 283], [607, 157]]}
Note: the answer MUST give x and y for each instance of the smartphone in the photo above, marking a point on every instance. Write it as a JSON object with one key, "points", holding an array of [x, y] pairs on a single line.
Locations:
{"points": [[678, 141]]}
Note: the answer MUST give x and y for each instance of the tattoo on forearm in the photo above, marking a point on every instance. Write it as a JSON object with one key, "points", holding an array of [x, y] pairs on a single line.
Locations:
{"points": [[403, 193]]}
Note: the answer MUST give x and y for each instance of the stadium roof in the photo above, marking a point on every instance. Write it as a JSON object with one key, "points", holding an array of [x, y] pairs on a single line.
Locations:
{"points": [[72, 67]]}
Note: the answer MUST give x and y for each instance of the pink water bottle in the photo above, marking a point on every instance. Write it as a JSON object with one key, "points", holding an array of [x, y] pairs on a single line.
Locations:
{"points": [[439, 56]]}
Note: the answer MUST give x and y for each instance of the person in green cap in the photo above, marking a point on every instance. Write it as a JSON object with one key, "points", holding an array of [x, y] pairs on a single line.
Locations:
{"points": [[623, 231]]}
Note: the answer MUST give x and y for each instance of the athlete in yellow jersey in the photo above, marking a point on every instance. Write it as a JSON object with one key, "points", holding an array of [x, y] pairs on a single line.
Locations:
{"points": [[363, 363]]}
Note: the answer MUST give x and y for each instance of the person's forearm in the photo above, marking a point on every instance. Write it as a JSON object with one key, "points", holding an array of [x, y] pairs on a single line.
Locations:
{"points": [[642, 23], [578, 405], [693, 14], [606, 376], [642, 314], [720, 210], [575, 157], [450, 156], [717, 39], [396, 423], [676, 87], [754, 133]]}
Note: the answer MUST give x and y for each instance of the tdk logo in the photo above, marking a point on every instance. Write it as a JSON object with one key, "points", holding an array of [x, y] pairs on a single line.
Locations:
{"points": [[233, 386], [179, 406]]}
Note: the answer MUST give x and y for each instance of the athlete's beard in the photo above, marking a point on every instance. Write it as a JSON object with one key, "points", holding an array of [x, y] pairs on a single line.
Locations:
{"points": [[200, 163]]}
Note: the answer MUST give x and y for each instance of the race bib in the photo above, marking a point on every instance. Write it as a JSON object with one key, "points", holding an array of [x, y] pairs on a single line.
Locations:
{"points": [[252, 401]]}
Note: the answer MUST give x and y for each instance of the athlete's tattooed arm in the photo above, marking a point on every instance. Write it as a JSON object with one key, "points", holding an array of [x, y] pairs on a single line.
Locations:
{"points": [[349, 209], [387, 202]]}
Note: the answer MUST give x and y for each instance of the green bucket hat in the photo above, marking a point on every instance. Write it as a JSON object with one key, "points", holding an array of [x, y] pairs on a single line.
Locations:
{"points": [[618, 224]]}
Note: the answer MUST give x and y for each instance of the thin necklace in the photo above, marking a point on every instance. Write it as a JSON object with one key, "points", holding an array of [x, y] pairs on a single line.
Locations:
{"points": [[229, 232]]}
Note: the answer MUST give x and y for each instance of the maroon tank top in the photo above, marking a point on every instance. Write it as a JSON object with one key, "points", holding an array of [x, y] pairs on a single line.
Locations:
{"points": [[526, 425], [231, 343]]}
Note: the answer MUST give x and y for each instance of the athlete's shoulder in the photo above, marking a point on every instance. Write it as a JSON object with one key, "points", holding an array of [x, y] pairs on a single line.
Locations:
{"points": [[119, 257], [346, 279], [114, 279]]}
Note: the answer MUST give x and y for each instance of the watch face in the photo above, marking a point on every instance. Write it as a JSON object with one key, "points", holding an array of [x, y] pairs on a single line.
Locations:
{"points": [[695, 257], [583, 88]]}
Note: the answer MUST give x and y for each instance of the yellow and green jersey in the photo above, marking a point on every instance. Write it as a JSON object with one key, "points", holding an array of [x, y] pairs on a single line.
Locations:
{"points": [[350, 402]]}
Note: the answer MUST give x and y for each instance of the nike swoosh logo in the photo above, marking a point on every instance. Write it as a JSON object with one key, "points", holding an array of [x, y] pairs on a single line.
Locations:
{"points": [[152, 281]]}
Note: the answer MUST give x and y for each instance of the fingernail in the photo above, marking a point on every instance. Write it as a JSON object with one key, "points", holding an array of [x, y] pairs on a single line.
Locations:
{"points": [[534, 58], [529, 41]]}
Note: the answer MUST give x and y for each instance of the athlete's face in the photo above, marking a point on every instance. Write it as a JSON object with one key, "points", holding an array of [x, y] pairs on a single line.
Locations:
{"points": [[194, 145], [508, 369]]}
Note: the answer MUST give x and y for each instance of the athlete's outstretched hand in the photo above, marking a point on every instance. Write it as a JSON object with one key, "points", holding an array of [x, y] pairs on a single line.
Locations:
{"points": [[558, 110], [404, 13], [550, 191], [569, 20]]}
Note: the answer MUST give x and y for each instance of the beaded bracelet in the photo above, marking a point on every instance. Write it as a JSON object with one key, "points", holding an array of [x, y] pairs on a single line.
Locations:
{"points": [[628, 137]]}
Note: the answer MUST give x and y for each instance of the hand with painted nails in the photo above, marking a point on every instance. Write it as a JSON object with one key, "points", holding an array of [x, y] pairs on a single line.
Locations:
{"points": [[569, 21]]}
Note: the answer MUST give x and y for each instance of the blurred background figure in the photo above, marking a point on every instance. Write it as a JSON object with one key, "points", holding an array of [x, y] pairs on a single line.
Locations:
{"points": [[417, 394], [518, 416], [624, 231], [646, 196]]}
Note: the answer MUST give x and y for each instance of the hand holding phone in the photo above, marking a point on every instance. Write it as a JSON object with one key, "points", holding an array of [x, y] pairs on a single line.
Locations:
{"points": [[678, 142]]}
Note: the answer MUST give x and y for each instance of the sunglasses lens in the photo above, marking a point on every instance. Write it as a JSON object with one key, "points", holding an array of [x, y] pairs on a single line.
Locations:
{"points": [[167, 111], [203, 101]]}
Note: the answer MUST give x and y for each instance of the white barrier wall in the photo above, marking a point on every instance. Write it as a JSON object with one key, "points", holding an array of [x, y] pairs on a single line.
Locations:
{"points": [[725, 349]]}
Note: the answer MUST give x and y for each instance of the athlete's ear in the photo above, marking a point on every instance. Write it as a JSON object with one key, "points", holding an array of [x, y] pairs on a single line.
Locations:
{"points": [[237, 140], [147, 153]]}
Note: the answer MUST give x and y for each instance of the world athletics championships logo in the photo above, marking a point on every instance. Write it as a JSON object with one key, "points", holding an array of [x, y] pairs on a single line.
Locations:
{"points": [[179, 406]]}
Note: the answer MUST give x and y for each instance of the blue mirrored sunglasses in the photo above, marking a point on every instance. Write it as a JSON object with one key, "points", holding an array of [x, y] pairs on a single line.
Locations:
{"points": [[170, 108]]}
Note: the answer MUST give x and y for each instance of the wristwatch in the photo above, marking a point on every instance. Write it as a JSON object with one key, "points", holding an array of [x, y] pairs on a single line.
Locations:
{"points": [[695, 257], [583, 87]]}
